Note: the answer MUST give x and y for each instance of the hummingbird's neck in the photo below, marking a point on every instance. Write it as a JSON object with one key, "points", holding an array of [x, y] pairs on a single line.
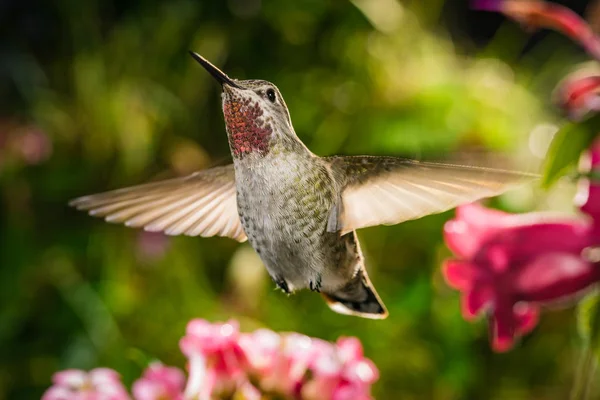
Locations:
{"points": [[251, 132], [247, 131]]}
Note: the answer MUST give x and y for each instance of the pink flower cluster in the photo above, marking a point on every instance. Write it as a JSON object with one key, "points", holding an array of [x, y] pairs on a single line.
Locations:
{"points": [[224, 363], [510, 265]]}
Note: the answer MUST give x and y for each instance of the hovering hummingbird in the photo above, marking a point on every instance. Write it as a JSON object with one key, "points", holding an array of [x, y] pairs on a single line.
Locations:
{"points": [[299, 211]]}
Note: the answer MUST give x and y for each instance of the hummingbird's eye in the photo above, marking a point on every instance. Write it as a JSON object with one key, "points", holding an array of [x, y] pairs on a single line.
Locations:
{"points": [[271, 95]]}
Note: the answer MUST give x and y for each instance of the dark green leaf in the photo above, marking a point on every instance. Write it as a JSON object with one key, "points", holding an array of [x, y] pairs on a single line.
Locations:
{"points": [[588, 321], [569, 142]]}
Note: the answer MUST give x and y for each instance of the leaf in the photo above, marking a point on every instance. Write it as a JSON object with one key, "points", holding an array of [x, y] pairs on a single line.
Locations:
{"points": [[568, 143], [588, 321]]}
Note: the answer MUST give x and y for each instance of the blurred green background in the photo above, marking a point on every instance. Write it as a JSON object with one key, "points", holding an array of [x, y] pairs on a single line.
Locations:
{"points": [[96, 95]]}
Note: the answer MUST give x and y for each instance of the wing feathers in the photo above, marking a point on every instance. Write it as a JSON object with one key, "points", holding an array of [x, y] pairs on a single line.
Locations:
{"points": [[386, 190], [202, 204]]}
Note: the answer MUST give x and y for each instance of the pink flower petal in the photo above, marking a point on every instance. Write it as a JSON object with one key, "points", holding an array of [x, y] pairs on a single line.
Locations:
{"points": [[471, 227], [482, 217], [363, 372], [58, 393], [576, 94], [503, 328], [526, 317], [459, 275], [349, 348], [476, 301], [73, 378], [159, 382], [104, 376], [348, 391], [261, 350], [201, 380], [510, 321], [217, 345], [148, 390], [326, 364], [554, 276], [320, 387], [100, 383]]}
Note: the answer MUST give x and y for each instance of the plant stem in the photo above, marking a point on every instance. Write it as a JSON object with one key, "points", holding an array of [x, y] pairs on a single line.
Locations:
{"points": [[584, 378]]}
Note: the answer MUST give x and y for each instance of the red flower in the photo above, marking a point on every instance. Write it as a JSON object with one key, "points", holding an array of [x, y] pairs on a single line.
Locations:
{"points": [[579, 94], [508, 265], [541, 14]]}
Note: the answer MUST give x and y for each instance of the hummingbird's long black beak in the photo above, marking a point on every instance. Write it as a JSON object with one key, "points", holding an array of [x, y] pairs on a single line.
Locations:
{"points": [[219, 75]]}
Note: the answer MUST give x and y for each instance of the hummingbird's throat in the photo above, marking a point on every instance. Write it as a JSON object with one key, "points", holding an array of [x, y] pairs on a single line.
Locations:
{"points": [[248, 132]]}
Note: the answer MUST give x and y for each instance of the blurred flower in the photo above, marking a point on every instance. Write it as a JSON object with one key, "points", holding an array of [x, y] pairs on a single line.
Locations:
{"points": [[98, 384], [226, 364], [159, 382], [578, 94], [278, 362], [215, 357], [510, 264], [25, 144], [341, 372], [261, 349], [33, 145], [298, 366], [152, 245], [541, 14]]}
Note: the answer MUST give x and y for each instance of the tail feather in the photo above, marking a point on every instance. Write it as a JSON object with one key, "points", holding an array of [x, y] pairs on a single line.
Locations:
{"points": [[358, 297]]}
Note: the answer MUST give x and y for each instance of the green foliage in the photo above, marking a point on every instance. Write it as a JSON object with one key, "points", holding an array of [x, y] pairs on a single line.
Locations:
{"points": [[588, 324], [568, 144], [588, 321]]}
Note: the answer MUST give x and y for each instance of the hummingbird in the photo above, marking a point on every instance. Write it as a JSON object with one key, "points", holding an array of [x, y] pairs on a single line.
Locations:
{"points": [[299, 211]]}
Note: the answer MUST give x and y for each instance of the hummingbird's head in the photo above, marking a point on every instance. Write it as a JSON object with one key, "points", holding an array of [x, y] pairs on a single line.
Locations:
{"points": [[256, 116]]}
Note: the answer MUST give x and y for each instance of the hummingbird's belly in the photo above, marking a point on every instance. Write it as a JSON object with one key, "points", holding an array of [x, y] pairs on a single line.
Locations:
{"points": [[285, 219]]}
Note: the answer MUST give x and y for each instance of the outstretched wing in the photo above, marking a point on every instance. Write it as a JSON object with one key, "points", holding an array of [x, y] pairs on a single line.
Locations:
{"points": [[388, 190], [201, 204]]}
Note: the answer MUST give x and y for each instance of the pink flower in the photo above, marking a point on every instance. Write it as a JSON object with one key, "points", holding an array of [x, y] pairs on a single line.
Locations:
{"points": [[34, 145], [215, 356], [579, 94], [542, 14], [340, 372], [508, 265], [159, 382], [98, 384], [152, 245], [289, 365], [226, 364], [261, 350], [295, 365]]}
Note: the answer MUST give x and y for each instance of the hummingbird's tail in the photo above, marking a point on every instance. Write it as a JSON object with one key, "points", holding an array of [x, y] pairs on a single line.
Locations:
{"points": [[358, 297]]}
